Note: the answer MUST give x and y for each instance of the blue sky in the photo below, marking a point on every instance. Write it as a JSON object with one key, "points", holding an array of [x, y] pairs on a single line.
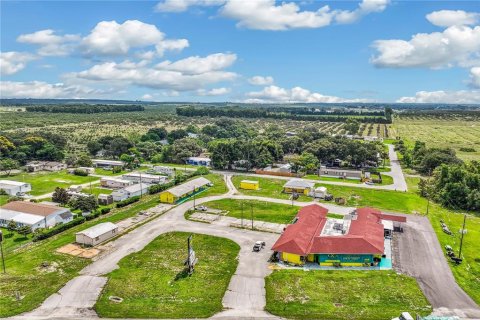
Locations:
{"points": [[255, 51]]}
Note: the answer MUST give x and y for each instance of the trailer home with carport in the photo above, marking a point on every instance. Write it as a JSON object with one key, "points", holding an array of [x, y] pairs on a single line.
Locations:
{"points": [[13, 188], [97, 234]]}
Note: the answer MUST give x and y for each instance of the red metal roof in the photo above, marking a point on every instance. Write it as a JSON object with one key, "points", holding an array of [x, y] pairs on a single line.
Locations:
{"points": [[365, 235]]}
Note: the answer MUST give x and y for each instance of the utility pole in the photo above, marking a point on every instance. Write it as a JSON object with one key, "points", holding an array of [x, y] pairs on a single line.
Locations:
{"points": [[461, 239], [241, 208], [251, 213], [1, 249], [193, 197]]}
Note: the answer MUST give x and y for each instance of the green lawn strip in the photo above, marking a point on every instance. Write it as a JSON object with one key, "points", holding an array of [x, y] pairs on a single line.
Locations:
{"points": [[103, 172], [96, 191], [35, 284], [335, 216], [153, 284], [219, 186], [3, 199], [262, 210], [386, 180], [321, 178], [12, 240], [176, 165], [272, 188], [47, 182], [297, 294]]}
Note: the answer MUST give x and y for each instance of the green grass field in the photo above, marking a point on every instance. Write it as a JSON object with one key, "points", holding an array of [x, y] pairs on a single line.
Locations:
{"points": [[316, 177], [25, 275], [454, 132], [219, 186], [3, 199], [46, 182], [296, 294], [268, 188], [262, 211], [97, 190], [153, 282]]}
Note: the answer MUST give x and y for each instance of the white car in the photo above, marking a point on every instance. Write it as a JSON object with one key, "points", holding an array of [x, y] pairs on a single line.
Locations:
{"points": [[404, 316]]}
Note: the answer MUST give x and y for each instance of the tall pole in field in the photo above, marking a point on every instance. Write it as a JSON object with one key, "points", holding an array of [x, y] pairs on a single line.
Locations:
{"points": [[461, 239], [193, 197], [241, 208], [1, 249], [251, 213]]}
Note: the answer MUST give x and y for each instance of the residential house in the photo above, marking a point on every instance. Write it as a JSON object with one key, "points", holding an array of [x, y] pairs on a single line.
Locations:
{"points": [[299, 186], [97, 234], [357, 240], [134, 190], [34, 215], [13, 188], [35, 166], [88, 170], [180, 192], [105, 199], [169, 171]]}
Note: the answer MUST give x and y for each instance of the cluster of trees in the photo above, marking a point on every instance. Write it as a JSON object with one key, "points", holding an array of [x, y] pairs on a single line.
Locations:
{"points": [[85, 204], [17, 149], [238, 112], [85, 108], [455, 186], [111, 146], [424, 159]]}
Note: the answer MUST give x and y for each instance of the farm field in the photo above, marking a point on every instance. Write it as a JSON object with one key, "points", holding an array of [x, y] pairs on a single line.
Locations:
{"points": [[442, 131], [46, 182], [35, 284], [154, 284], [262, 211], [296, 294]]}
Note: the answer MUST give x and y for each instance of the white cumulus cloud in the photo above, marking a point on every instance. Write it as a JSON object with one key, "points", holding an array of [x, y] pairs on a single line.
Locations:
{"points": [[213, 92], [50, 43], [448, 18], [461, 96], [197, 64], [183, 5], [110, 38], [12, 62], [275, 94], [475, 77], [44, 90], [457, 45], [260, 81]]}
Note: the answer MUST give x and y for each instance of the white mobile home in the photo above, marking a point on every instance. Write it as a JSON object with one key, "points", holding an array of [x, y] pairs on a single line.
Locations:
{"points": [[96, 234], [100, 163], [34, 215], [340, 173], [136, 177], [169, 171], [115, 183], [130, 191], [13, 188], [53, 166]]}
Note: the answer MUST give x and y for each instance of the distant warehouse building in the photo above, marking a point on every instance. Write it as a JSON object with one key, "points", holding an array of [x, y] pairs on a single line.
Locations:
{"points": [[357, 240], [13, 188], [180, 192], [136, 177], [131, 191], [340, 173], [100, 163], [34, 215], [97, 234]]}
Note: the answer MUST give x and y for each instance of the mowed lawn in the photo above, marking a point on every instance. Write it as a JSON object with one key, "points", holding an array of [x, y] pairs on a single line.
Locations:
{"points": [[46, 182], [153, 282], [35, 284], [296, 294], [271, 188], [219, 186], [262, 210]]}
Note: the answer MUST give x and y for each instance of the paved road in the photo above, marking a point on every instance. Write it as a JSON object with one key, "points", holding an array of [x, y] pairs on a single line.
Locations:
{"points": [[420, 255]]}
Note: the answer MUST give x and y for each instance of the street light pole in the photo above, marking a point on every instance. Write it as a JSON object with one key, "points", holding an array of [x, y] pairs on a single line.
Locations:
{"points": [[1, 250], [241, 206], [251, 213], [461, 239]]}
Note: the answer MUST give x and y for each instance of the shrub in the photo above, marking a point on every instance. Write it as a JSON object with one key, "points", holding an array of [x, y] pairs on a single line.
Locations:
{"points": [[80, 172], [467, 149], [104, 210], [51, 232], [128, 201], [159, 187], [93, 215], [14, 198]]}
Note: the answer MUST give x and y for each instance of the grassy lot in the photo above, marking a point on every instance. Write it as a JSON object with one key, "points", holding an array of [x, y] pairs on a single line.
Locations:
{"points": [[176, 165], [153, 283], [25, 275], [219, 186], [47, 182], [103, 172], [12, 240], [271, 188], [3, 199], [97, 190], [262, 211], [448, 131], [297, 294]]}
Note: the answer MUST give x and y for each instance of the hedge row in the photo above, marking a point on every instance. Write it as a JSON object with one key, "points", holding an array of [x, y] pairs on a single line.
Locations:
{"points": [[51, 232], [128, 201]]}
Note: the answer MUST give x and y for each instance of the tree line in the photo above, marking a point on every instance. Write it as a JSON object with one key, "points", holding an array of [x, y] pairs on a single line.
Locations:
{"points": [[237, 112], [85, 108]]}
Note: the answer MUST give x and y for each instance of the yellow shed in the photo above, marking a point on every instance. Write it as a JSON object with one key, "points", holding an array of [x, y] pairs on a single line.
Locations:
{"points": [[249, 185], [167, 197], [184, 190]]}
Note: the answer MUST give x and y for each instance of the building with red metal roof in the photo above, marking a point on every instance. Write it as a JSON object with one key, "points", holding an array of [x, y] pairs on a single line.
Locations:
{"points": [[357, 240]]}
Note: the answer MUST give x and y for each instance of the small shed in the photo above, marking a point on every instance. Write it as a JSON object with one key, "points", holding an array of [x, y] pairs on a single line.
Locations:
{"points": [[105, 199], [320, 192], [249, 185], [97, 234]]}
